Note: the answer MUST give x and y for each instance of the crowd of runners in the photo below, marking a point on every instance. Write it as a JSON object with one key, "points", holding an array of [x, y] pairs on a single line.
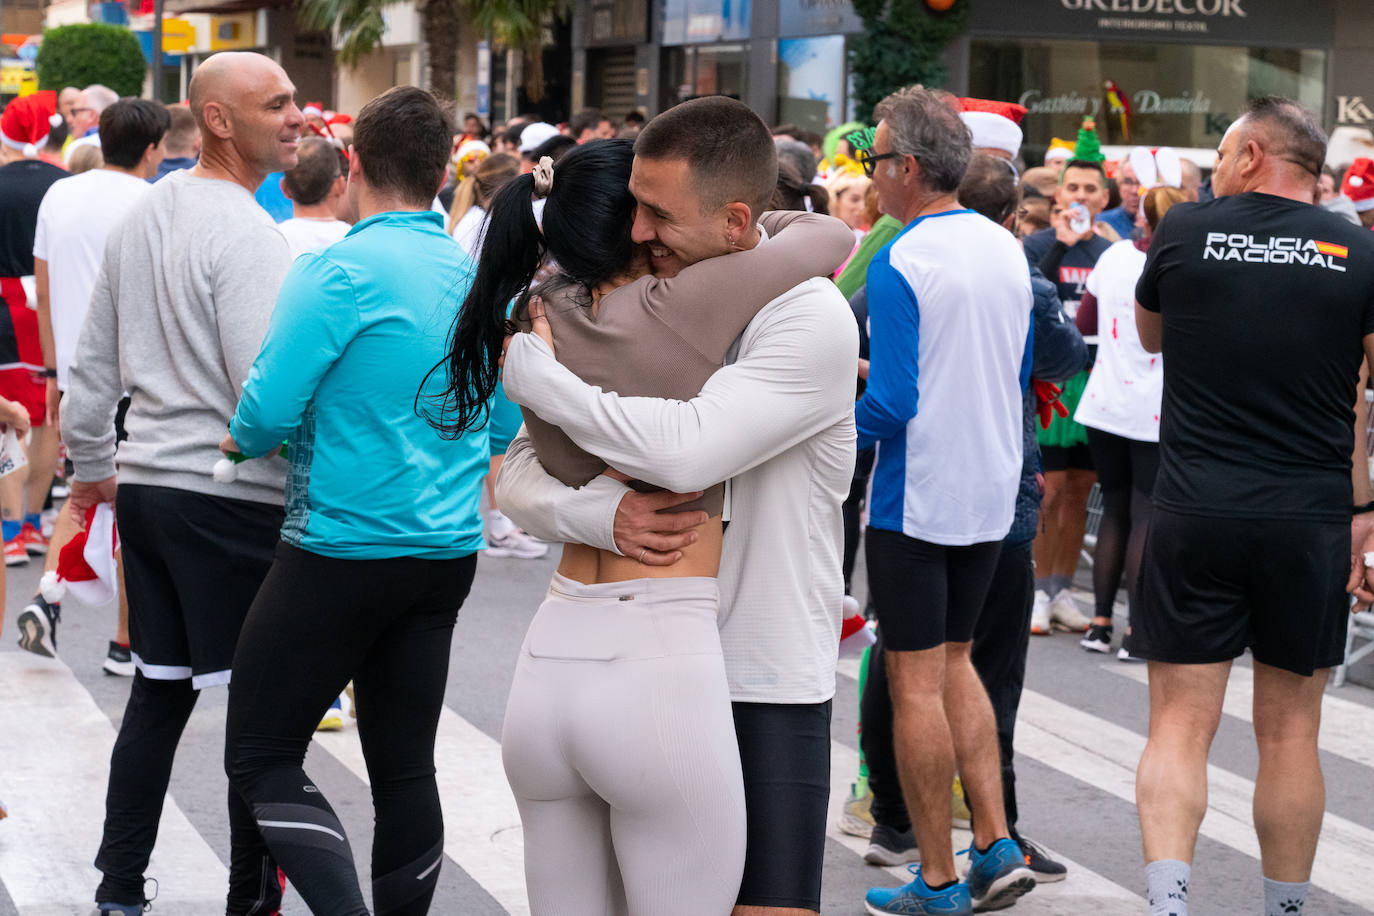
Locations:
{"points": [[319, 363]]}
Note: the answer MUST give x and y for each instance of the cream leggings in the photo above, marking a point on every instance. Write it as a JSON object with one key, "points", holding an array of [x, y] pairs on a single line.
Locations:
{"points": [[620, 747]]}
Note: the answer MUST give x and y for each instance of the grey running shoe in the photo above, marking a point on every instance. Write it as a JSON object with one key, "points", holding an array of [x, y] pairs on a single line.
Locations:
{"points": [[1045, 869], [888, 847]]}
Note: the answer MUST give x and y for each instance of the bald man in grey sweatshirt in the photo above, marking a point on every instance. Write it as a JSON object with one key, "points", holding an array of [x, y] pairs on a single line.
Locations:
{"points": [[179, 312]]}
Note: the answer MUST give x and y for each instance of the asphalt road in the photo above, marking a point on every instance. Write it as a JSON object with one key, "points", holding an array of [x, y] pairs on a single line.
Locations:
{"points": [[1081, 729]]}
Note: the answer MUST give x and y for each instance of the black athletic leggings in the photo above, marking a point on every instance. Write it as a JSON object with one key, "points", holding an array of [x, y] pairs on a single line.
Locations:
{"points": [[1126, 470], [317, 622]]}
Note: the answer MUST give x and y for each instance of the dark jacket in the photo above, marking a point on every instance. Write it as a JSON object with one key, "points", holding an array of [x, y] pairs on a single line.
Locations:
{"points": [[1057, 354]]}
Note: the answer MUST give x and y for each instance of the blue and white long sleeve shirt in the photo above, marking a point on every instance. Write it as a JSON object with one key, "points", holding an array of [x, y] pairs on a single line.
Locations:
{"points": [[950, 353]]}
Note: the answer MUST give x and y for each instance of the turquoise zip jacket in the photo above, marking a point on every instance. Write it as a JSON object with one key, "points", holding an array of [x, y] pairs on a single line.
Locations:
{"points": [[356, 331]]}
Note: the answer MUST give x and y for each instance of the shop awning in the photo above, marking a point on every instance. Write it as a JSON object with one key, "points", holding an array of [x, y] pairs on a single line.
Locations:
{"points": [[223, 6]]}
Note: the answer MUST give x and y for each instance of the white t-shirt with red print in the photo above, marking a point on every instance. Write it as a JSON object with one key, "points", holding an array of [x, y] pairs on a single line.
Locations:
{"points": [[1126, 387]]}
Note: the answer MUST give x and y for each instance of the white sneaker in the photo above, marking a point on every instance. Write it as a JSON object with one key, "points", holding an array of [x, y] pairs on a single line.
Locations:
{"points": [[516, 544], [1040, 614], [1064, 613], [1124, 655]]}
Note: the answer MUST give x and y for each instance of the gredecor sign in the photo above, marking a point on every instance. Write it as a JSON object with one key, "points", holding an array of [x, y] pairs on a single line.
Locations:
{"points": [[1258, 23]]}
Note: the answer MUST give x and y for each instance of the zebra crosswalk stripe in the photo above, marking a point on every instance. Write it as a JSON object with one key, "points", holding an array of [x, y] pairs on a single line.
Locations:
{"points": [[51, 726]]}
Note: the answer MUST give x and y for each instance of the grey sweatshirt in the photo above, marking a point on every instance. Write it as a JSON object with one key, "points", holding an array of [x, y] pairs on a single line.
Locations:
{"points": [[179, 312]]}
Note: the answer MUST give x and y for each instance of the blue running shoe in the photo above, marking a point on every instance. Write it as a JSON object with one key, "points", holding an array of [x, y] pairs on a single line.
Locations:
{"points": [[917, 899], [997, 878]]}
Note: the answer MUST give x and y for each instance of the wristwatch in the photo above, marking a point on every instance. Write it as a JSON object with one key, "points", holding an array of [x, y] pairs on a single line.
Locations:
{"points": [[49, 373]]}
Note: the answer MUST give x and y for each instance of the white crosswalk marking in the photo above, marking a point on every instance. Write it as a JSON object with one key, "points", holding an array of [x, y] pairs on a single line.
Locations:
{"points": [[1346, 727], [1089, 891], [1105, 755], [48, 843], [44, 701], [481, 823]]}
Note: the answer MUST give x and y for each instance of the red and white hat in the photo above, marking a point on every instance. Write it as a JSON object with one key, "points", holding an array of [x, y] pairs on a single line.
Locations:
{"points": [[994, 125], [1359, 184], [855, 633], [86, 565], [27, 121]]}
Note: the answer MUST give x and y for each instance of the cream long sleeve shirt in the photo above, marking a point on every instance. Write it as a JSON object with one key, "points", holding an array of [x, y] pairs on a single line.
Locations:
{"points": [[778, 423]]}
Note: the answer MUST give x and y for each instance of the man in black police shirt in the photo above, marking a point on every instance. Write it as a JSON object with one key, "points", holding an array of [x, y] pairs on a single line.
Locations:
{"points": [[1264, 306]]}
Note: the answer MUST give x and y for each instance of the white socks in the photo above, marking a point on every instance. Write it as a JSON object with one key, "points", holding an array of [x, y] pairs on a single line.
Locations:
{"points": [[1167, 884], [1284, 899]]}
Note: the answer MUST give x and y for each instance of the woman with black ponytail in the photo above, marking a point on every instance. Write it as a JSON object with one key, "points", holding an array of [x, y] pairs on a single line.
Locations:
{"points": [[619, 742]]}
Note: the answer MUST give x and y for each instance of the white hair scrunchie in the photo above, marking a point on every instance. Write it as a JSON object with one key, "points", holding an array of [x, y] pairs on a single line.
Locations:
{"points": [[543, 177]]}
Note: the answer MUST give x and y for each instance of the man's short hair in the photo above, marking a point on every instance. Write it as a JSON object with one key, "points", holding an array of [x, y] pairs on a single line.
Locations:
{"points": [[181, 136], [728, 150], [585, 120], [317, 168], [1091, 164], [1292, 132], [989, 187], [129, 127], [404, 138], [800, 156], [922, 123]]}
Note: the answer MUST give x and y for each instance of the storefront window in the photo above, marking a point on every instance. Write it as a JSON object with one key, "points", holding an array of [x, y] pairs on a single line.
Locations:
{"points": [[1178, 95], [690, 21], [811, 82], [690, 71]]}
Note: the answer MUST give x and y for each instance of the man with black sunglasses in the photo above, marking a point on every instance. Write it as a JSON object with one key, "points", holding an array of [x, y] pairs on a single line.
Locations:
{"points": [[949, 305]]}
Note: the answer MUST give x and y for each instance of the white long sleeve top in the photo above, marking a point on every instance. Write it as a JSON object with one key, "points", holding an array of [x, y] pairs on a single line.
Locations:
{"points": [[778, 423]]}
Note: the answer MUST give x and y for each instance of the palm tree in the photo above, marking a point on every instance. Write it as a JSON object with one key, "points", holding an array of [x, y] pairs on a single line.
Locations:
{"points": [[512, 23]]}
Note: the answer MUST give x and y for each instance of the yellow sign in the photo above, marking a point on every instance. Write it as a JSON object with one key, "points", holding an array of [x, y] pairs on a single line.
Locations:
{"points": [[178, 36], [233, 32], [18, 78]]}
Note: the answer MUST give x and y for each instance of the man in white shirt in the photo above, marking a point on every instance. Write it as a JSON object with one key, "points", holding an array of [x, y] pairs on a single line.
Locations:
{"points": [[85, 121], [949, 307], [778, 424], [315, 188], [75, 219]]}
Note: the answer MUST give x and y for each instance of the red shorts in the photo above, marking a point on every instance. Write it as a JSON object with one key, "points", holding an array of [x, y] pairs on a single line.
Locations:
{"points": [[20, 354], [29, 388]]}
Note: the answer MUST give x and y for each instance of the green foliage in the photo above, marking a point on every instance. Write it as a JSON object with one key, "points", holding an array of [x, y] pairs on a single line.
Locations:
{"points": [[79, 55], [359, 22], [901, 44]]}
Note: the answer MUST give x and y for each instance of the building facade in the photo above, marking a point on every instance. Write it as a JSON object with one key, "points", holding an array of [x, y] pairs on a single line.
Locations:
{"points": [[1183, 68]]}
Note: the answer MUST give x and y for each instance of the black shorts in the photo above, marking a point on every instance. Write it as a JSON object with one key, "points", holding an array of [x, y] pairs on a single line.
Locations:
{"points": [[784, 751], [1059, 458], [1124, 464], [1211, 587], [927, 594], [192, 566]]}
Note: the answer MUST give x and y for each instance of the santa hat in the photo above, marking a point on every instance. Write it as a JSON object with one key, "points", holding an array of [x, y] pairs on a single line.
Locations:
{"points": [[86, 565], [27, 121], [332, 118], [855, 632], [994, 125], [1359, 184], [1059, 151], [314, 108]]}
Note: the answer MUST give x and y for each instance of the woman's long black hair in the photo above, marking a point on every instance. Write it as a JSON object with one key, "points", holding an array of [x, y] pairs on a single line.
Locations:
{"points": [[586, 230]]}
